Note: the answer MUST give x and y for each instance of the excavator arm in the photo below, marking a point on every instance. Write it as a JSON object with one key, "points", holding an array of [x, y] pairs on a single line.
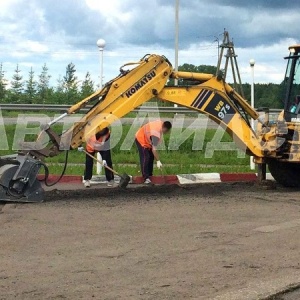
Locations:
{"points": [[118, 97], [212, 96], [134, 86], [221, 104], [123, 95]]}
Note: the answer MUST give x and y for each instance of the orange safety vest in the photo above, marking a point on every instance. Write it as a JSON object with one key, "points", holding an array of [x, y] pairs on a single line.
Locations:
{"points": [[150, 129], [92, 140]]}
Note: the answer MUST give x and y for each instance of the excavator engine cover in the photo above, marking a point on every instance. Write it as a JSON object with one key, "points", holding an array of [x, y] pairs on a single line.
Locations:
{"points": [[18, 179]]}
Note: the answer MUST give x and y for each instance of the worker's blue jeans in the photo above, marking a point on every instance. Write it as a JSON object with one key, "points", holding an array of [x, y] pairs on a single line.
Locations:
{"points": [[146, 160]]}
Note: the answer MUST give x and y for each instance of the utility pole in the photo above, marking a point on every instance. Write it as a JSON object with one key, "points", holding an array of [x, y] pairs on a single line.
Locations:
{"points": [[230, 58], [252, 64], [176, 38], [176, 41], [101, 44]]}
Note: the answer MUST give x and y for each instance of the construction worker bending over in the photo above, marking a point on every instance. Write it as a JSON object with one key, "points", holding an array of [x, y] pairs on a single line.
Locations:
{"points": [[98, 143], [147, 139]]}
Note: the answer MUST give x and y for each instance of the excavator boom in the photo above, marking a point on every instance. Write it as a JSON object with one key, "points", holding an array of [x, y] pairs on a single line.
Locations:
{"points": [[134, 86]]}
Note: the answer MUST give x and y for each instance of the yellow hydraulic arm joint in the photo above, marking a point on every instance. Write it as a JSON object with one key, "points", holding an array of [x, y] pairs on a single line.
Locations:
{"points": [[192, 76]]}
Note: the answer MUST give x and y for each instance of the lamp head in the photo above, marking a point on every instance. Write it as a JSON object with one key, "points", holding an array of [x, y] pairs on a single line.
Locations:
{"points": [[101, 44], [252, 62]]}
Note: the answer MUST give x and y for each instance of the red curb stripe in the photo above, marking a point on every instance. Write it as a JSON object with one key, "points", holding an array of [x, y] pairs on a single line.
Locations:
{"points": [[229, 177], [167, 179], [64, 179]]}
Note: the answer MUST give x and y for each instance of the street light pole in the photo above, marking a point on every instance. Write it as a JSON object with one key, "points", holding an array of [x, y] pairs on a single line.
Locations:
{"points": [[176, 38], [252, 64], [101, 44]]}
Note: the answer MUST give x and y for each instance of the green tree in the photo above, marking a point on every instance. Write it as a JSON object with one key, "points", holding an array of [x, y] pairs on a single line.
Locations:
{"points": [[266, 94], [43, 89], [71, 84], [60, 85], [30, 89], [17, 85], [198, 69], [59, 92], [87, 87], [2, 84]]}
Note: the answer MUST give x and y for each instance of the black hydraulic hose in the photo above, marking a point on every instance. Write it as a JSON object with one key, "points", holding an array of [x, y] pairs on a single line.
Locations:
{"points": [[11, 183], [19, 195], [61, 175]]}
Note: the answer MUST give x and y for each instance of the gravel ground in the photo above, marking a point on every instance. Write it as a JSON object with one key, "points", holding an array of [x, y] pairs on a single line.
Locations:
{"points": [[213, 241]]}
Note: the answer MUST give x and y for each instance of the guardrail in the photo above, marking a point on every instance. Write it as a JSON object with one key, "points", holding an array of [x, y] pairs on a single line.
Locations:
{"points": [[63, 108]]}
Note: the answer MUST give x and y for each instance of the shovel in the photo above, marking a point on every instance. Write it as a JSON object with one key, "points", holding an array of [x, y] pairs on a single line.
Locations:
{"points": [[124, 179]]}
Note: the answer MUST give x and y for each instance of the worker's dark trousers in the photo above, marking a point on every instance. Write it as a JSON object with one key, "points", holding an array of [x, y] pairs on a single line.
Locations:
{"points": [[146, 160], [88, 173]]}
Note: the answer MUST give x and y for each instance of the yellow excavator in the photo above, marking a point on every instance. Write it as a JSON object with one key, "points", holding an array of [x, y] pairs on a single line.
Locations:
{"points": [[275, 144]]}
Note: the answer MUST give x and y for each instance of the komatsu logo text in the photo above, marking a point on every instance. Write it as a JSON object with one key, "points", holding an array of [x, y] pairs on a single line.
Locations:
{"points": [[140, 84]]}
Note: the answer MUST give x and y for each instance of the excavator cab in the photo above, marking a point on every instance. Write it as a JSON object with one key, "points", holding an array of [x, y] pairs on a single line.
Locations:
{"points": [[292, 86]]}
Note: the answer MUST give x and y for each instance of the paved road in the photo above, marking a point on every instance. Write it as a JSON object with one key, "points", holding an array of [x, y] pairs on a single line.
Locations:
{"points": [[222, 241]]}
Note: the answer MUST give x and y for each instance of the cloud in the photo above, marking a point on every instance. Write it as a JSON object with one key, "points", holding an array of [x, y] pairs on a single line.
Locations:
{"points": [[57, 32], [258, 4]]}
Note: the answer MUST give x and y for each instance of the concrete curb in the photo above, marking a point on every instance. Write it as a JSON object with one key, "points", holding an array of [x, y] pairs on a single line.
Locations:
{"points": [[198, 178], [169, 179]]}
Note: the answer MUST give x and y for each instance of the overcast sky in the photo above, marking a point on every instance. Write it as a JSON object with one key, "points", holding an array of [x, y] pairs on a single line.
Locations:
{"points": [[55, 32]]}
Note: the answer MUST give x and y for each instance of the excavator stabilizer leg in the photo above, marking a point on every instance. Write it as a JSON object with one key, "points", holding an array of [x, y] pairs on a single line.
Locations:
{"points": [[262, 172]]}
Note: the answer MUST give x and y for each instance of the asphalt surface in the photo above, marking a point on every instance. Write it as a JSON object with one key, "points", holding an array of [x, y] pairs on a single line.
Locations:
{"points": [[213, 241]]}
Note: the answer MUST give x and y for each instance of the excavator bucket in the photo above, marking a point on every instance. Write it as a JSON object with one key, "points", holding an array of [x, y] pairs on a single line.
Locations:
{"points": [[18, 179]]}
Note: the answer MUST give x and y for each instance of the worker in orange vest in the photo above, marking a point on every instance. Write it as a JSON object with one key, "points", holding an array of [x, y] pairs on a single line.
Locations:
{"points": [[98, 143], [147, 139]]}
